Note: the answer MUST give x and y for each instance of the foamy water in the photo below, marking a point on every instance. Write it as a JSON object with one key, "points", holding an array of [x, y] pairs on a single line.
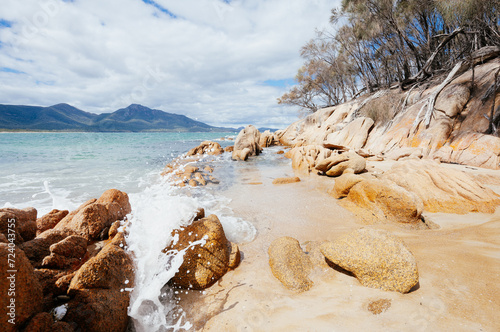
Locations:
{"points": [[65, 170]]}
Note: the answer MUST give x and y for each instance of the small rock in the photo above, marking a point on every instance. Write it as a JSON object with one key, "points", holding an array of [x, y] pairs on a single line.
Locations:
{"points": [[234, 257], [286, 180], [379, 306]]}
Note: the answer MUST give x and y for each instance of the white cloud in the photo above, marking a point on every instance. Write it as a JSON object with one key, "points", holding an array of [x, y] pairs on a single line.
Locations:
{"points": [[209, 63]]}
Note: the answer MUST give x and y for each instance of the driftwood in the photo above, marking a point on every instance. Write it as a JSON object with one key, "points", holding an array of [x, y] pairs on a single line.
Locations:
{"points": [[431, 100], [424, 72], [492, 129]]}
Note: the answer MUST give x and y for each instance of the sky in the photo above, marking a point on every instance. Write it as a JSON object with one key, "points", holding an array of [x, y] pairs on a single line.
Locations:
{"points": [[222, 62]]}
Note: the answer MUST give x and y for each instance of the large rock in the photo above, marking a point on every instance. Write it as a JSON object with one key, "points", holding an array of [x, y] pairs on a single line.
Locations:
{"points": [[353, 135], [344, 183], [381, 200], [305, 158], [207, 254], [337, 164], [66, 253], [268, 139], [39, 247], [99, 302], [24, 226], [443, 189], [289, 264], [21, 286], [248, 138], [207, 147], [92, 218], [376, 258], [50, 220]]}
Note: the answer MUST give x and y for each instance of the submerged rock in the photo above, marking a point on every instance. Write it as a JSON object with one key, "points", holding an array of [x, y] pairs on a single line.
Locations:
{"points": [[207, 254], [289, 264], [377, 259]]}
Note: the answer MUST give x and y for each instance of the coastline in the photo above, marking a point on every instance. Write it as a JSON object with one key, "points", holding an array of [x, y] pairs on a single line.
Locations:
{"points": [[457, 264]]}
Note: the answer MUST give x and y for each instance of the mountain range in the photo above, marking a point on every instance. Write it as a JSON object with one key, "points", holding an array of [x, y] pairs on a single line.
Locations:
{"points": [[64, 117]]}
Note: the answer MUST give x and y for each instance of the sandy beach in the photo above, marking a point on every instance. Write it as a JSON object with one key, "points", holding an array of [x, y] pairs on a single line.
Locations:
{"points": [[458, 266]]}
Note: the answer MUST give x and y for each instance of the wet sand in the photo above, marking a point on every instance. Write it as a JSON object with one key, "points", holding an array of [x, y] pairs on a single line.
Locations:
{"points": [[459, 267]]}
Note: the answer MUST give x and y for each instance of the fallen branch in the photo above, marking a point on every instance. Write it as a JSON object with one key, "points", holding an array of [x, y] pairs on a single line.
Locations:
{"points": [[492, 128], [431, 100], [424, 72]]}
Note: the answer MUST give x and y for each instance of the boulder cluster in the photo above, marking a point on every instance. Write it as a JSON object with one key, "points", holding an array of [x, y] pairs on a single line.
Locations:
{"points": [[71, 268]]}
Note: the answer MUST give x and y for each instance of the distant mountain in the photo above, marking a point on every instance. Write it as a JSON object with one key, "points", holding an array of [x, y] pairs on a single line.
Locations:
{"points": [[64, 117]]}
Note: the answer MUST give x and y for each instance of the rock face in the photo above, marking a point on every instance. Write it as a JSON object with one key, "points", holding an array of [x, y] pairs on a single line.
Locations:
{"points": [[207, 254], [377, 258], [248, 138], [207, 147], [337, 164], [344, 183], [50, 220], [98, 302], [456, 133], [92, 218], [24, 225], [28, 292], [353, 136], [289, 264], [443, 189]]}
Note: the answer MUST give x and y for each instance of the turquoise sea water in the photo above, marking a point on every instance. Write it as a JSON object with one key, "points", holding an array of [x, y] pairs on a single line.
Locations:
{"points": [[62, 170]]}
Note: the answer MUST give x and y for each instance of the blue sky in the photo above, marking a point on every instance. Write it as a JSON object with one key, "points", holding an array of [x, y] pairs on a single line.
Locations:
{"points": [[221, 62]]}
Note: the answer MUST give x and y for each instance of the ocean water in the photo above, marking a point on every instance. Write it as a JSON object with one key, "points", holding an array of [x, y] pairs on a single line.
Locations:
{"points": [[62, 170]]}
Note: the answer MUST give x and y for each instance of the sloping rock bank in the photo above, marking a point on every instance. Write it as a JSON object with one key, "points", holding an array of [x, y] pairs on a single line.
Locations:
{"points": [[392, 126]]}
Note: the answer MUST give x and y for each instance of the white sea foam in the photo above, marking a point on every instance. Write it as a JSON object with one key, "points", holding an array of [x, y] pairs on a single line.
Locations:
{"points": [[157, 211]]}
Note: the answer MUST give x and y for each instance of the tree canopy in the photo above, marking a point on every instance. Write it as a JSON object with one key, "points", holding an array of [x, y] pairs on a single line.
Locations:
{"points": [[375, 44]]}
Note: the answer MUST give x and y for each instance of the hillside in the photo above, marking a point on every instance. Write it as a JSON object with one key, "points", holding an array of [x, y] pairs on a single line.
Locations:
{"points": [[64, 117], [395, 124]]}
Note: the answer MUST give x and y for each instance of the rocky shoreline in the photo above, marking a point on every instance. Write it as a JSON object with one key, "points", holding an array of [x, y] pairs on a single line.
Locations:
{"points": [[369, 229]]}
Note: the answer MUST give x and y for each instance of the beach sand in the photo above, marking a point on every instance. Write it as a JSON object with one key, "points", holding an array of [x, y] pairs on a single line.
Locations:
{"points": [[459, 266]]}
